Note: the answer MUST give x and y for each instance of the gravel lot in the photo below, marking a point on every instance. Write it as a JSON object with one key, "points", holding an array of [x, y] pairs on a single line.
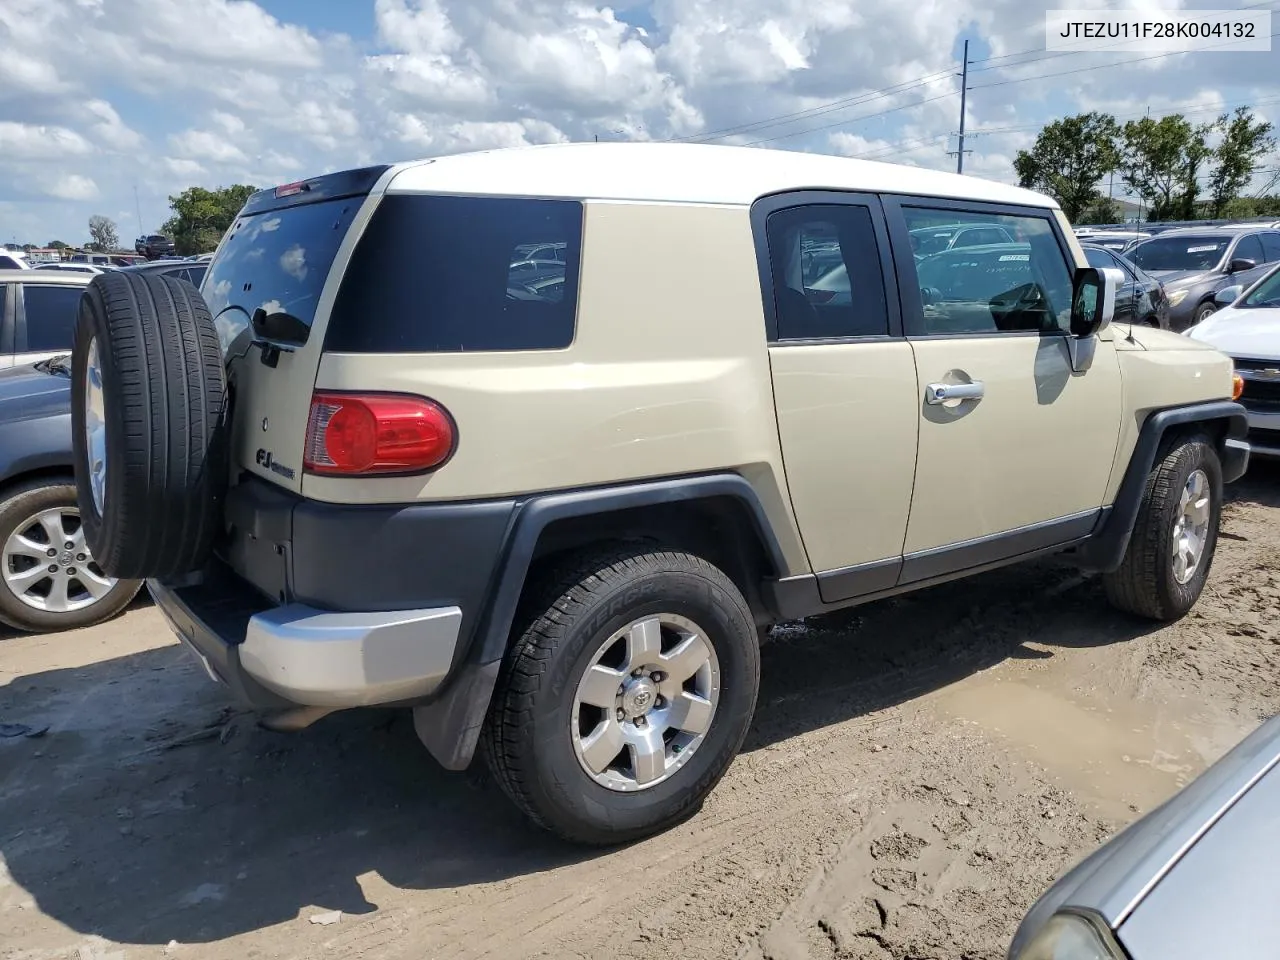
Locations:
{"points": [[919, 770]]}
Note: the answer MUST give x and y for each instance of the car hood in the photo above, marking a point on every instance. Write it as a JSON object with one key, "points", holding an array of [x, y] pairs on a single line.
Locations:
{"points": [[1180, 278], [1141, 336], [1250, 332], [1113, 880], [28, 381]]}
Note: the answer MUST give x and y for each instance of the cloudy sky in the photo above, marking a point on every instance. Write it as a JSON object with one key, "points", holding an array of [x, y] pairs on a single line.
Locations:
{"points": [[99, 98]]}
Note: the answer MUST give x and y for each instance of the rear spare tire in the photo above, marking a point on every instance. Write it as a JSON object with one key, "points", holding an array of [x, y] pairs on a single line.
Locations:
{"points": [[148, 405]]}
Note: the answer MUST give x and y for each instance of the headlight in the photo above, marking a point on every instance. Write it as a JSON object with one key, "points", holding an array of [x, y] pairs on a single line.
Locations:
{"points": [[1177, 297], [1069, 936]]}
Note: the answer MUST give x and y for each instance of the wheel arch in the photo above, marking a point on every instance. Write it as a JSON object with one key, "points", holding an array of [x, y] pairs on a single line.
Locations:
{"points": [[1225, 422], [718, 513]]}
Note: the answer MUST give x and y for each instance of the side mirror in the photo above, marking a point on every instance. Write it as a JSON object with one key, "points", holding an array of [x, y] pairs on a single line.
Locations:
{"points": [[1228, 295], [1240, 264], [1093, 300]]}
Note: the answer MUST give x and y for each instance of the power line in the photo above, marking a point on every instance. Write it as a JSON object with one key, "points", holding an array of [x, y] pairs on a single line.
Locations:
{"points": [[833, 106], [869, 116], [1185, 112], [1104, 66], [816, 111]]}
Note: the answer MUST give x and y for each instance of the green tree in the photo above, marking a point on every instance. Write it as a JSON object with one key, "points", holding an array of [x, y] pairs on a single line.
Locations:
{"points": [[57, 245], [201, 217], [1161, 162], [1244, 143], [1102, 210], [1069, 158], [103, 233]]}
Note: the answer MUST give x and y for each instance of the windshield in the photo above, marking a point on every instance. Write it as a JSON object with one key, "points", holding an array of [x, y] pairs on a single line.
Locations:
{"points": [[1267, 293], [277, 260], [1179, 253]]}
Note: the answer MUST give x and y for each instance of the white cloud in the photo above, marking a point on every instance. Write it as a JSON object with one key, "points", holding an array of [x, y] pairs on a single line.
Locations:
{"points": [[183, 167], [204, 145], [21, 141], [263, 101], [71, 186]]}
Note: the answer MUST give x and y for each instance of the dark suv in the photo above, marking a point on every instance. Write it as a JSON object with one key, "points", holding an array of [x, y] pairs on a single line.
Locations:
{"points": [[1194, 264], [154, 246]]}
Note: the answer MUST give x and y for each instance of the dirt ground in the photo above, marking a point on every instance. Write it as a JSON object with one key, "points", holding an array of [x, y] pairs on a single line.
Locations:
{"points": [[919, 770]]}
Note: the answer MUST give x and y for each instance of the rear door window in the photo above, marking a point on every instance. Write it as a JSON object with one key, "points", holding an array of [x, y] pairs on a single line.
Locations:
{"points": [[827, 279], [1271, 247], [50, 316], [278, 260], [1249, 248], [447, 274]]}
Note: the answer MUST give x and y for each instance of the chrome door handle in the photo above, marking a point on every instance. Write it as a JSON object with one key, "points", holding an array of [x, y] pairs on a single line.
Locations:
{"points": [[942, 392]]}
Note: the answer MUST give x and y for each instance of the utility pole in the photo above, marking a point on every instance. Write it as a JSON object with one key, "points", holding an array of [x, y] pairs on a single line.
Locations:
{"points": [[138, 206], [960, 151]]}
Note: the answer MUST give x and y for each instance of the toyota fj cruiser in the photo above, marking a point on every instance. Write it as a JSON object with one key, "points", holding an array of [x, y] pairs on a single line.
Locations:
{"points": [[366, 465]]}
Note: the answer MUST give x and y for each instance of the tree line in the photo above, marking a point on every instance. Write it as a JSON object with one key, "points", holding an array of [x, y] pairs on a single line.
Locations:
{"points": [[1167, 161], [200, 218]]}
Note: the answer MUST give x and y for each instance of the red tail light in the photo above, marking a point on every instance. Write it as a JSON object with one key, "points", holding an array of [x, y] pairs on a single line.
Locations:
{"points": [[360, 434]]}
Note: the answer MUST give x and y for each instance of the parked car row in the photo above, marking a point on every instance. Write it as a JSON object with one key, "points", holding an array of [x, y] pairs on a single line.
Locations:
{"points": [[1192, 262], [48, 580]]}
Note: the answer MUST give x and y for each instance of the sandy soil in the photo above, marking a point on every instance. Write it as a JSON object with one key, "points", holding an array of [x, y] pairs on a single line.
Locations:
{"points": [[919, 770]]}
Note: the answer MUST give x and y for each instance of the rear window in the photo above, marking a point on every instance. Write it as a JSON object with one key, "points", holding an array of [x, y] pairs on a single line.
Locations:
{"points": [[1179, 253], [278, 260], [442, 274]]}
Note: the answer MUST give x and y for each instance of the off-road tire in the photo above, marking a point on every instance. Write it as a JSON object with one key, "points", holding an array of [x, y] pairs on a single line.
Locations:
{"points": [[1145, 584], [562, 621], [20, 503], [165, 396]]}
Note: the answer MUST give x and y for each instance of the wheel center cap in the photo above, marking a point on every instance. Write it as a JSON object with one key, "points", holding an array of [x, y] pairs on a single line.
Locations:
{"points": [[66, 559], [638, 697]]}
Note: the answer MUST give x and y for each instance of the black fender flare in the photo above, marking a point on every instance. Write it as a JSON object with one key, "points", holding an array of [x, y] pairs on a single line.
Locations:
{"points": [[1105, 550], [449, 726]]}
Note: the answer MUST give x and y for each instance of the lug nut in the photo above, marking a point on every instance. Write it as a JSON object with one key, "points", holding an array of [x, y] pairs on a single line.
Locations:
{"points": [[70, 545], [80, 557], [53, 568], [71, 571], [51, 552], [657, 676], [621, 716], [637, 673], [660, 702], [641, 722]]}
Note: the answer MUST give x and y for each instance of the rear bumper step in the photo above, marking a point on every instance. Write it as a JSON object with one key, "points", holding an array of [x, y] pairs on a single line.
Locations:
{"points": [[298, 655]]}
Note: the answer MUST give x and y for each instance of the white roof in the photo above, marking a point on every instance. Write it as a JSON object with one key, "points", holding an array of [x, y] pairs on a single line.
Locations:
{"points": [[682, 172]]}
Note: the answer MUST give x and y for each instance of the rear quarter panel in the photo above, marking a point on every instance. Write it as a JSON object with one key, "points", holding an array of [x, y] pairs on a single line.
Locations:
{"points": [[668, 374]]}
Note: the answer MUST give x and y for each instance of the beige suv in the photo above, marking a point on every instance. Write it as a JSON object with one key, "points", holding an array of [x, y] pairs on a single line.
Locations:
{"points": [[554, 514]]}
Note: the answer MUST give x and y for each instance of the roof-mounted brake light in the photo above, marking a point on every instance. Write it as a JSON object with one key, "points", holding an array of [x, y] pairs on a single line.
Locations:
{"points": [[289, 189]]}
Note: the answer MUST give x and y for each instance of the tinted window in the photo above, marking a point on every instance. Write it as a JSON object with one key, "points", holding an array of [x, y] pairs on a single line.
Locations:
{"points": [[278, 260], [8, 263], [1271, 247], [1098, 258], [195, 275], [1179, 253], [1249, 248], [1024, 285], [51, 316], [827, 280], [976, 238], [448, 274]]}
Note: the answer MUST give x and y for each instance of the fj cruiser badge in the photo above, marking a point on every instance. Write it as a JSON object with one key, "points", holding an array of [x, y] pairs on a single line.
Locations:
{"points": [[266, 459]]}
